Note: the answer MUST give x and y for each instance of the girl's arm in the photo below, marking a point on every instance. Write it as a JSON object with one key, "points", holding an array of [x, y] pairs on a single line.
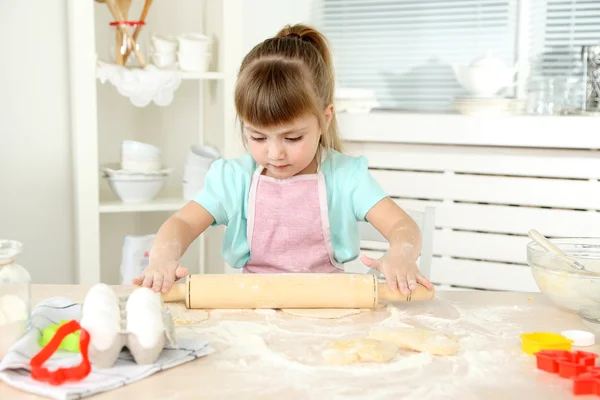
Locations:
{"points": [[398, 265], [171, 242]]}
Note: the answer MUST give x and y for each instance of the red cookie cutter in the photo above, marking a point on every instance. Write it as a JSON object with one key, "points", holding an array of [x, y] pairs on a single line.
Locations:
{"points": [[588, 383], [576, 365], [62, 375]]}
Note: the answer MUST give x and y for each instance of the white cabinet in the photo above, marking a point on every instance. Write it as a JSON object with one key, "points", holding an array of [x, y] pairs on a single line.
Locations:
{"points": [[202, 112]]}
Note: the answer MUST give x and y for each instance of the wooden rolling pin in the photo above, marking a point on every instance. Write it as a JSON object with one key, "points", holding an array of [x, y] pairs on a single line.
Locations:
{"points": [[215, 291]]}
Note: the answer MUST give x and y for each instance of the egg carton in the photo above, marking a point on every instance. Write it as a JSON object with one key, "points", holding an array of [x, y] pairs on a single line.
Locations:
{"points": [[97, 317]]}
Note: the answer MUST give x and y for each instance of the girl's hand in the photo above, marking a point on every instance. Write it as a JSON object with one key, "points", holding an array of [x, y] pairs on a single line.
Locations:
{"points": [[398, 272], [161, 277]]}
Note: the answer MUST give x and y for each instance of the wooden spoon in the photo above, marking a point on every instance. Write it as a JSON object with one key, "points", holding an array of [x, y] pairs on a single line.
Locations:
{"points": [[550, 247], [139, 27], [116, 12]]}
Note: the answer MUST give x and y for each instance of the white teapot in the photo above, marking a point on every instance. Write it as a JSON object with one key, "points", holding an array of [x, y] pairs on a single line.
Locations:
{"points": [[485, 76]]}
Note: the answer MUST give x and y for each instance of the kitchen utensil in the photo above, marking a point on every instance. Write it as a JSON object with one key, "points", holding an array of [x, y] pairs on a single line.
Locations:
{"points": [[548, 246], [138, 28], [123, 7], [533, 342], [288, 291], [568, 364], [116, 13], [65, 374]]}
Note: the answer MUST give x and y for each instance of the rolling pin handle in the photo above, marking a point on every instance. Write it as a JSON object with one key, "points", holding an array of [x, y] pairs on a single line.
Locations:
{"points": [[175, 294]]}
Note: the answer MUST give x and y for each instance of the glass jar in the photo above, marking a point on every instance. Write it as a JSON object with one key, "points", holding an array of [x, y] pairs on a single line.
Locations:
{"points": [[15, 301], [121, 46]]}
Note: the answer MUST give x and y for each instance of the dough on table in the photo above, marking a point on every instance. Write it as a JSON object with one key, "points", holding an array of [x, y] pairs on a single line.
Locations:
{"points": [[416, 339], [327, 313], [350, 351]]}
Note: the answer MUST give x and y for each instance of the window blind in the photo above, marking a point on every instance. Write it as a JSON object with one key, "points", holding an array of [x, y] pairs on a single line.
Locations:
{"points": [[404, 49], [559, 28]]}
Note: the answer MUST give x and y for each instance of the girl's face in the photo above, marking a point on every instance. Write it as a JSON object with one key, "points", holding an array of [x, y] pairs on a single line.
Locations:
{"points": [[286, 150]]}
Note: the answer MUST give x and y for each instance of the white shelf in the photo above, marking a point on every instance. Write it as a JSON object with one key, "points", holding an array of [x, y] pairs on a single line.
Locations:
{"points": [[159, 204]]}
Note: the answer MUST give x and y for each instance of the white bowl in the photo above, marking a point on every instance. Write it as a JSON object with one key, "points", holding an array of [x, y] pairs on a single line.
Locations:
{"points": [[114, 169], [136, 189], [140, 150], [142, 166]]}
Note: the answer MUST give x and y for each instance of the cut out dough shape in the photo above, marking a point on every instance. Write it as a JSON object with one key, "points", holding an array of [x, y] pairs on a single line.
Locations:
{"points": [[350, 351], [422, 340], [327, 313]]}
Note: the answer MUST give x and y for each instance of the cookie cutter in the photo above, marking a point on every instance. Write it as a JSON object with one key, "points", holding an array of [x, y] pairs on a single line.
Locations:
{"points": [[534, 342], [576, 365]]}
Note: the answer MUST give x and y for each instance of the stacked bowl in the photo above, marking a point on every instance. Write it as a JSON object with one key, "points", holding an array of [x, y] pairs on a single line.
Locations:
{"points": [[140, 175]]}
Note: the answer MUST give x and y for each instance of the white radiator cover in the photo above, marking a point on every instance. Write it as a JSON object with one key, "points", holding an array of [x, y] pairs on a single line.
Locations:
{"points": [[490, 180]]}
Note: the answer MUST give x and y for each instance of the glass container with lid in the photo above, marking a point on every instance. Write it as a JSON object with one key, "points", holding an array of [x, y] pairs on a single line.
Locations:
{"points": [[15, 292]]}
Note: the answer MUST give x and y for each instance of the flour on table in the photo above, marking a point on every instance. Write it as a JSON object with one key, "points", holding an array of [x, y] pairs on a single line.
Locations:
{"points": [[197, 317], [422, 340], [350, 351], [327, 313]]}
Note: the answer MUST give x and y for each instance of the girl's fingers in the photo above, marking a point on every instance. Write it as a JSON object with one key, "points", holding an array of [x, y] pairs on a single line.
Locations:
{"points": [[403, 284], [158, 282], [147, 281], [412, 281], [424, 281]]}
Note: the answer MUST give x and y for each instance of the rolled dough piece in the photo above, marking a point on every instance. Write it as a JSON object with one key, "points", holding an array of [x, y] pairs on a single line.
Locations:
{"points": [[350, 351], [327, 313], [191, 318], [422, 340]]}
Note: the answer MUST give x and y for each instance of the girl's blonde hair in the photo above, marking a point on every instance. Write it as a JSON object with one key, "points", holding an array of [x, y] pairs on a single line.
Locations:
{"points": [[286, 77]]}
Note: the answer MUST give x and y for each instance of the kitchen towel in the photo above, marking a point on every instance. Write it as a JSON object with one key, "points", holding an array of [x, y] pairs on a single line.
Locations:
{"points": [[14, 368]]}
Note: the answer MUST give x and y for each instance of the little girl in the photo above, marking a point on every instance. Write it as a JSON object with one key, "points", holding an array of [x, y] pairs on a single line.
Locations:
{"points": [[293, 204]]}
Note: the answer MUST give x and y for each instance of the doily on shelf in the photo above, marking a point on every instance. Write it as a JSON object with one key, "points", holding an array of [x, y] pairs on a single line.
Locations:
{"points": [[141, 86]]}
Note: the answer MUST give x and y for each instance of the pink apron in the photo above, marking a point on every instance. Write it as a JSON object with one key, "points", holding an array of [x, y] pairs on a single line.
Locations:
{"points": [[288, 225]]}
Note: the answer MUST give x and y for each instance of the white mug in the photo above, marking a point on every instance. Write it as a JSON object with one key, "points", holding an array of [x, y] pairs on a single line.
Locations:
{"points": [[164, 44], [194, 62], [193, 43], [164, 60]]}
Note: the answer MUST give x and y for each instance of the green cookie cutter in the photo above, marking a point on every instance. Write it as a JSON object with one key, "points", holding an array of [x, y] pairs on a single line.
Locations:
{"points": [[69, 343]]}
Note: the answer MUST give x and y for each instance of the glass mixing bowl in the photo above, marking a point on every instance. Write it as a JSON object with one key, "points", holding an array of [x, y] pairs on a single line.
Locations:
{"points": [[567, 287]]}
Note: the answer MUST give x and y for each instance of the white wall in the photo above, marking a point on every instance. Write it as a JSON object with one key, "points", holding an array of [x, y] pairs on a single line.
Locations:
{"points": [[264, 18], [35, 162], [36, 202]]}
